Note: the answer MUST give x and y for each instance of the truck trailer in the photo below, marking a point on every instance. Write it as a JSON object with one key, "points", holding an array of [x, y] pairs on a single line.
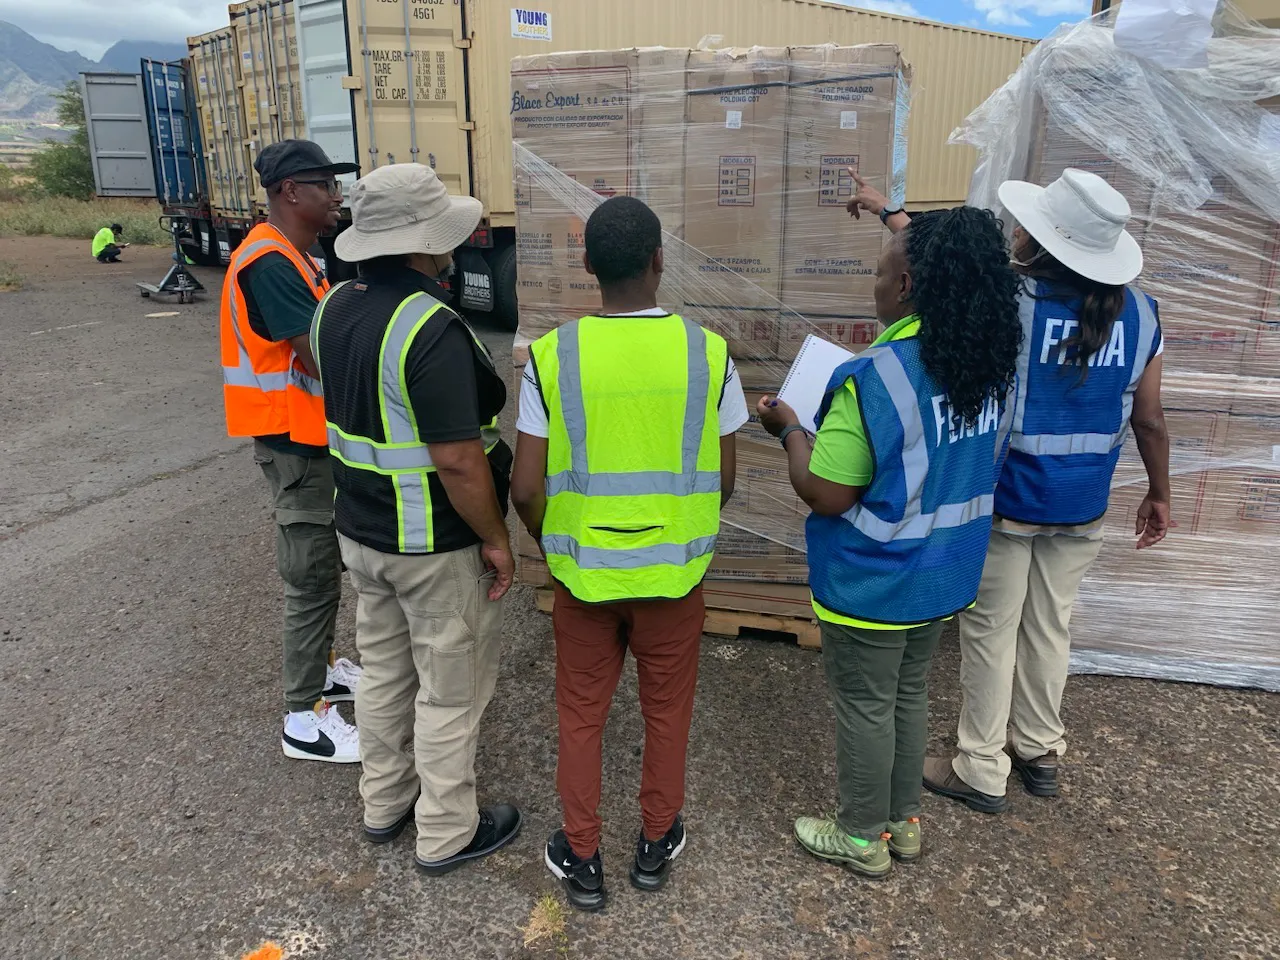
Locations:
{"points": [[389, 81]]}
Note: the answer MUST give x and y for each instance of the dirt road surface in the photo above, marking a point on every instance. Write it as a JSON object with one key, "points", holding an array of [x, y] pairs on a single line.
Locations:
{"points": [[147, 811]]}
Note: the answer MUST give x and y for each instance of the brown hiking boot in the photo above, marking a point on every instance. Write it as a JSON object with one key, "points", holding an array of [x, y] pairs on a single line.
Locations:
{"points": [[941, 778], [1039, 776]]}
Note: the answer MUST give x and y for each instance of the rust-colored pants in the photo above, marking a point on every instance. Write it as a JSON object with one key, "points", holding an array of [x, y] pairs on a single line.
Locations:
{"points": [[591, 643]]}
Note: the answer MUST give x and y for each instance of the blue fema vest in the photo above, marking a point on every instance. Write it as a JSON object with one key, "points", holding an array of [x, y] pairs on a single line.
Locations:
{"points": [[1067, 435], [912, 549]]}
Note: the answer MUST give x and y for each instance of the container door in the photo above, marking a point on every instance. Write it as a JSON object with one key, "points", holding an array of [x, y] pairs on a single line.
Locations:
{"points": [[321, 29], [169, 124], [216, 71], [411, 101], [119, 144], [267, 41]]}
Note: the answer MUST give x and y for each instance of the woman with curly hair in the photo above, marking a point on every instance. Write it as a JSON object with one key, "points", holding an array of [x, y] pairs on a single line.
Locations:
{"points": [[1089, 370], [900, 479]]}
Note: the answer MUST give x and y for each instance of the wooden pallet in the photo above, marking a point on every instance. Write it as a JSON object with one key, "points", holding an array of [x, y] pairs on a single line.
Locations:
{"points": [[731, 623]]}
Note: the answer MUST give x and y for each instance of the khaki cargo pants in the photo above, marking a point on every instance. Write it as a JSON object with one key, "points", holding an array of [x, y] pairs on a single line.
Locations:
{"points": [[308, 560], [429, 639]]}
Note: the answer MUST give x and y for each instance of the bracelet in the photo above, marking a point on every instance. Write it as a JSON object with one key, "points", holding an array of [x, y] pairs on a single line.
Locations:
{"points": [[787, 431], [886, 213]]}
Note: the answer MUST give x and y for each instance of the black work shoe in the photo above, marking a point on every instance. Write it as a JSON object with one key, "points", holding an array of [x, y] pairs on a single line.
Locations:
{"points": [[387, 834], [941, 778], [653, 857], [583, 880], [498, 826], [1039, 776]]}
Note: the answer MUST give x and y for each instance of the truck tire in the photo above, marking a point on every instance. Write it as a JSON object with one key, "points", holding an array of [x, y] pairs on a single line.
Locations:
{"points": [[502, 262]]}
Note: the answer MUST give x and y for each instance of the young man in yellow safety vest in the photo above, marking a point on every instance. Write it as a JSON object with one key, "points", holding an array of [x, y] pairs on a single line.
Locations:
{"points": [[624, 458]]}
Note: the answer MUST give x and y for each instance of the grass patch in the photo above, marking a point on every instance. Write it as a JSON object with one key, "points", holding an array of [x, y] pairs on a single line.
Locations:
{"points": [[10, 279], [63, 217], [547, 926]]}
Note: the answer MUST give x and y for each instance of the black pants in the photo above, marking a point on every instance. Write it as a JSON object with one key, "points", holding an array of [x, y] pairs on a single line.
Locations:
{"points": [[109, 253]]}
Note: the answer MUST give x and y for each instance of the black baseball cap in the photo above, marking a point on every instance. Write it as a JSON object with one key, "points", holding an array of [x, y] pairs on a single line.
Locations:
{"points": [[280, 161]]}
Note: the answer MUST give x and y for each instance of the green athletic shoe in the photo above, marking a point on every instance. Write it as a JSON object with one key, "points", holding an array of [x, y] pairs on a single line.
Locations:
{"points": [[824, 838], [904, 839]]}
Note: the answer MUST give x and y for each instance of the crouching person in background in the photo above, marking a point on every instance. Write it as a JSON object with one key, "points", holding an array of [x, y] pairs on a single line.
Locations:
{"points": [[900, 480]]}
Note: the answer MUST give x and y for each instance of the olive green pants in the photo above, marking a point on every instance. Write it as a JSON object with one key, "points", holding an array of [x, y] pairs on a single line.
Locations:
{"points": [[310, 565], [879, 682]]}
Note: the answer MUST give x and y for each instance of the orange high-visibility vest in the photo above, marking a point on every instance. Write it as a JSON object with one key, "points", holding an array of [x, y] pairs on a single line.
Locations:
{"points": [[264, 387]]}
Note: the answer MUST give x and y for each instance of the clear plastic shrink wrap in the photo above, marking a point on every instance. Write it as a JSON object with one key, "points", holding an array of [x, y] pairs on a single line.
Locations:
{"points": [[743, 154], [1197, 154]]}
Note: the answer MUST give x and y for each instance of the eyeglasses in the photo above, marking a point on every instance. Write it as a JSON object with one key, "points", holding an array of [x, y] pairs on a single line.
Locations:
{"points": [[333, 187]]}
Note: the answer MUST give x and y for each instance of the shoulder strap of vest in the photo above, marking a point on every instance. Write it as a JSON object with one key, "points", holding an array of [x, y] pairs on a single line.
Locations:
{"points": [[315, 320], [1147, 327]]}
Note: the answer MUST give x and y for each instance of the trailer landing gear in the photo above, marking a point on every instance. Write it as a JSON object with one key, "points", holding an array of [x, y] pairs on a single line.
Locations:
{"points": [[179, 280]]}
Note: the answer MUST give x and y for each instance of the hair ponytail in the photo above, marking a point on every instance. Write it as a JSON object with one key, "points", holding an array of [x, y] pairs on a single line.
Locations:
{"points": [[1100, 305], [965, 292]]}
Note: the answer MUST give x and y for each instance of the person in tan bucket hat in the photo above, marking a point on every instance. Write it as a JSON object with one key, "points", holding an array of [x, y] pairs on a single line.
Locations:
{"points": [[412, 401]]}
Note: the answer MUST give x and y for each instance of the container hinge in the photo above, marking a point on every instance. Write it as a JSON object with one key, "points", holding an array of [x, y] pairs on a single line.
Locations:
{"points": [[467, 125], [462, 43], [352, 83]]}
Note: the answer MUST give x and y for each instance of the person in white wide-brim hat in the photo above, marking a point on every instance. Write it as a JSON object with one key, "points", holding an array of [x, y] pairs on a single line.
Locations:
{"points": [[1089, 370], [412, 401]]}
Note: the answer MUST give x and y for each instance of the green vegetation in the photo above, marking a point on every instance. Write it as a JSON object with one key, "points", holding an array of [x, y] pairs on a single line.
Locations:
{"points": [[64, 217], [65, 169], [10, 279]]}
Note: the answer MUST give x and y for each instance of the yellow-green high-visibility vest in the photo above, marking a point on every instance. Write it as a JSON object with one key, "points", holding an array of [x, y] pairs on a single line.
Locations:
{"points": [[403, 456], [633, 454]]}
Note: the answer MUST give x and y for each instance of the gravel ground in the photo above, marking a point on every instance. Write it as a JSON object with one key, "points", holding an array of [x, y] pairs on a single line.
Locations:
{"points": [[149, 813]]}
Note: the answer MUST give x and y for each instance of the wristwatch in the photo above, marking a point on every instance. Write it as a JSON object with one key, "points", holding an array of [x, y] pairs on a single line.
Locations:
{"points": [[886, 213], [787, 431]]}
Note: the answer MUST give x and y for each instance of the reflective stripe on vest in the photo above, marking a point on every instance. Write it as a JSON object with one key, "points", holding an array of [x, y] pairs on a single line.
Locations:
{"points": [[1066, 444], [639, 483], [915, 525], [600, 558], [404, 457], [243, 374]]}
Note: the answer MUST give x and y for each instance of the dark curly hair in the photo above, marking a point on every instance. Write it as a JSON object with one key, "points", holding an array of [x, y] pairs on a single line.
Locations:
{"points": [[965, 293]]}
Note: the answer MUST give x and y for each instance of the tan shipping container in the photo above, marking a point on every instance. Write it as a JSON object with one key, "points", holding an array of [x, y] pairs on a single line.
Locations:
{"points": [[270, 79], [215, 71], [460, 52]]}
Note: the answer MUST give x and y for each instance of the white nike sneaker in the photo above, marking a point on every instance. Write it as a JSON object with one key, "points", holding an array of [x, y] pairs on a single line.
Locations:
{"points": [[340, 681], [320, 734]]}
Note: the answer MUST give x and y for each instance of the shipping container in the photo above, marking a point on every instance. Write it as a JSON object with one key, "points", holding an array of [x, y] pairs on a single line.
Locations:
{"points": [[214, 65], [175, 137], [270, 79], [119, 145], [387, 81], [1266, 12]]}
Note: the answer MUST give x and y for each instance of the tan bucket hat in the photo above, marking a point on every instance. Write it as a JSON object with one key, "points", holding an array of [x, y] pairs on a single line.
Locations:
{"points": [[405, 208]]}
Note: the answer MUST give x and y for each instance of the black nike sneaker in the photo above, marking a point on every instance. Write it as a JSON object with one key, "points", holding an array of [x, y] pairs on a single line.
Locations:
{"points": [[653, 861], [583, 880]]}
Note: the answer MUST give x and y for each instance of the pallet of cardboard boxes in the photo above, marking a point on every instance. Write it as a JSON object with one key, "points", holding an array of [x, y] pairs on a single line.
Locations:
{"points": [[745, 157]]}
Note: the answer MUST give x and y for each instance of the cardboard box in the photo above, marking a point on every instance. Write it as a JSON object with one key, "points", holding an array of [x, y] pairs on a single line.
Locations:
{"points": [[599, 116], [843, 113], [1210, 272], [735, 157]]}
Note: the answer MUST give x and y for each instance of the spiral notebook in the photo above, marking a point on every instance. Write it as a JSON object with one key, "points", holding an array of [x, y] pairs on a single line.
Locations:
{"points": [[807, 379]]}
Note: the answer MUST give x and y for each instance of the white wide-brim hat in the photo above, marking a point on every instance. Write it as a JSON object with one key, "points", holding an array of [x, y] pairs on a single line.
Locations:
{"points": [[405, 208], [1080, 220]]}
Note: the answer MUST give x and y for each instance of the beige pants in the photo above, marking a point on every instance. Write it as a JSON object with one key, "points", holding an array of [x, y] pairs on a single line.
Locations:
{"points": [[1029, 585], [428, 638]]}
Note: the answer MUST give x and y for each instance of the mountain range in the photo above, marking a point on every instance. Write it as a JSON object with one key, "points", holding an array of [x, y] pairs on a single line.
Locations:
{"points": [[31, 72]]}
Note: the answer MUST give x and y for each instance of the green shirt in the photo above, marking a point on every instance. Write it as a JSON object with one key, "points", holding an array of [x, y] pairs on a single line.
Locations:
{"points": [[842, 454], [102, 239]]}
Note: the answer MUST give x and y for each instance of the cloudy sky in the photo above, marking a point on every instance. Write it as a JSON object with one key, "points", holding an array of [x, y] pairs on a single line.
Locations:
{"points": [[91, 26]]}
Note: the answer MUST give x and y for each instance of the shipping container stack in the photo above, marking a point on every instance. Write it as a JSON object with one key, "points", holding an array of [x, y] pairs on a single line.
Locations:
{"points": [[744, 155], [1197, 154]]}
